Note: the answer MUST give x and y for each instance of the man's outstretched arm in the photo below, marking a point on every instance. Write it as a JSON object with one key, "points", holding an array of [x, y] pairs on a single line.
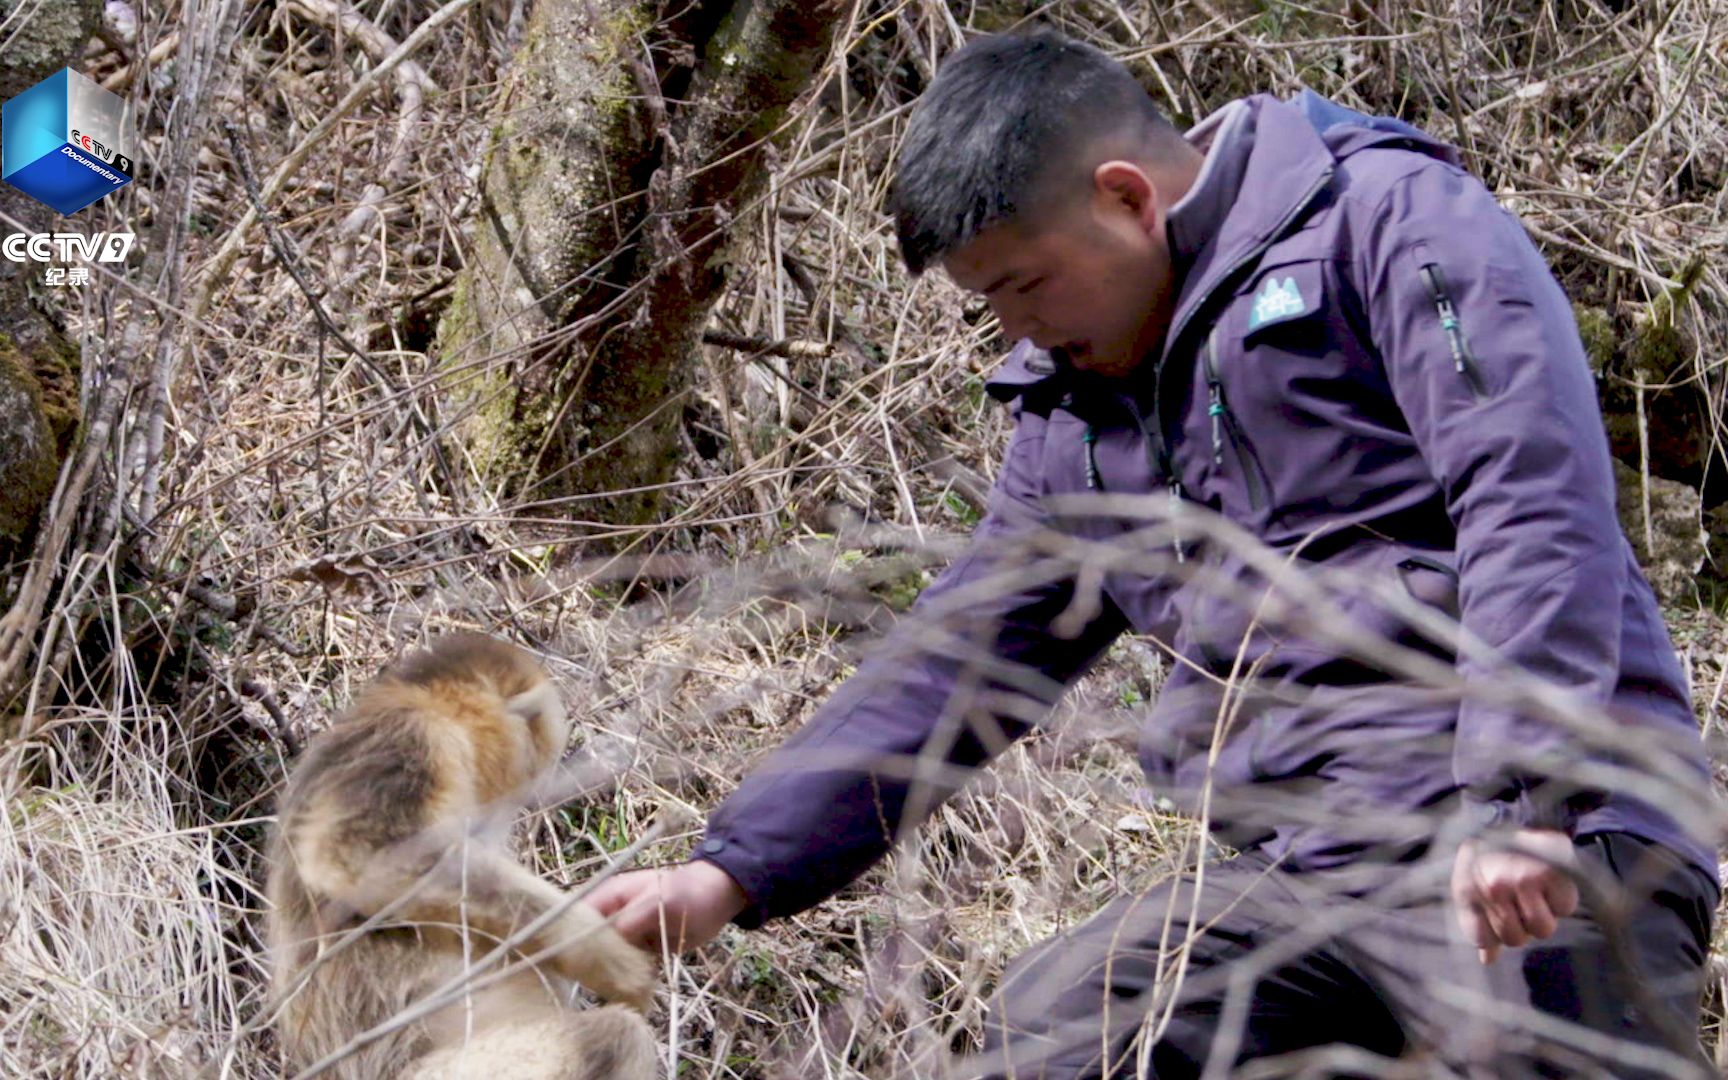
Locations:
{"points": [[970, 669]]}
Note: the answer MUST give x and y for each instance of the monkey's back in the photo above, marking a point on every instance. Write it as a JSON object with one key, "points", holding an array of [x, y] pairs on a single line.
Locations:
{"points": [[375, 978], [364, 785]]}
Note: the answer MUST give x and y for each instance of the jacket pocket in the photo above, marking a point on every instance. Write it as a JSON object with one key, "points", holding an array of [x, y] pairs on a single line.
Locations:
{"points": [[1432, 582], [1457, 341], [1365, 580], [1427, 580]]}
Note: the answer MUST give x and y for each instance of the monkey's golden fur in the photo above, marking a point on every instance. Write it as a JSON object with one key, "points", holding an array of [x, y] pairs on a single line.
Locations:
{"points": [[368, 821]]}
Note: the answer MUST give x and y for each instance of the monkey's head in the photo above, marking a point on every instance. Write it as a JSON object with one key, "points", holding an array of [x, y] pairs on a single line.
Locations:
{"points": [[458, 665]]}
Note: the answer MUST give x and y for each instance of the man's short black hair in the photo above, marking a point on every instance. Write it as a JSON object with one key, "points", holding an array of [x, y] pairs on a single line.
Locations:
{"points": [[1006, 120]]}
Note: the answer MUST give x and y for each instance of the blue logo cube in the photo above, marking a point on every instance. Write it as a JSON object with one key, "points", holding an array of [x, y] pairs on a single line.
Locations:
{"points": [[64, 142]]}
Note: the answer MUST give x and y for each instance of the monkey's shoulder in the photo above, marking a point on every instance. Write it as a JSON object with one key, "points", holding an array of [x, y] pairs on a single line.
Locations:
{"points": [[367, 782]]}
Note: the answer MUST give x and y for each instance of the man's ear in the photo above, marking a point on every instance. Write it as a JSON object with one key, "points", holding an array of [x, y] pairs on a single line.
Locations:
{"points": [[1122, 186]]}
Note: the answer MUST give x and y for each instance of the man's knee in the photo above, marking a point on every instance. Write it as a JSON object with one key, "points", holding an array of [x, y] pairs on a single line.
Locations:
{"points": [[1031, 997], [1069, 1002], [1074, 1000], [1048, 1016]]}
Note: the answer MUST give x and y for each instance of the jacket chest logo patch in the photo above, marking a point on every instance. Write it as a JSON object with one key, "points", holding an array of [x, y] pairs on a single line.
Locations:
{"points": [[1277, 301]]}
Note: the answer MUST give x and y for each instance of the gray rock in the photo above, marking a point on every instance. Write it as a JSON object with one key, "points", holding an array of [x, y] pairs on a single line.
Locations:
{"points": [[1671, 550]]}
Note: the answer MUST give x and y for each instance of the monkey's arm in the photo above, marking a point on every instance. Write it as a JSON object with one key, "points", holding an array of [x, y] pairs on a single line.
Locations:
{"points": [[476, 889]]}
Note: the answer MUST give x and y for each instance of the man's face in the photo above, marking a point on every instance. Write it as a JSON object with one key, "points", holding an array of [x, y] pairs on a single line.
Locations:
{"points": [[1091, 280]]}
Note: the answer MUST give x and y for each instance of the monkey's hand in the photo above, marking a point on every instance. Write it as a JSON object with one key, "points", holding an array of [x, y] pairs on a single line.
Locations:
{"points": [[600, 959]]}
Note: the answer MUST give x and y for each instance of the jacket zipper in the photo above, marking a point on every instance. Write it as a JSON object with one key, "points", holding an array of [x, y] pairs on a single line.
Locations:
{"points": [[1221, 416], [1095, 482], [1156, 444], [1462, 358], [1158, 460]]}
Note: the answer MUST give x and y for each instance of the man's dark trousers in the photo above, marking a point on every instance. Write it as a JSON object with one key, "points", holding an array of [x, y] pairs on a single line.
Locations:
{"points": [[1348, 967]]}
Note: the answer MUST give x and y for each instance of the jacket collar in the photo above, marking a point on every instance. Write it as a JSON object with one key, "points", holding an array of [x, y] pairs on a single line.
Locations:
{"points": [[1226, 137], [1282, 161]]}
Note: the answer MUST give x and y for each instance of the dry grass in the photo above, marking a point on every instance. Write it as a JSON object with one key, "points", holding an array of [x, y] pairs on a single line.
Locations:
{"points": [[257, 525]]}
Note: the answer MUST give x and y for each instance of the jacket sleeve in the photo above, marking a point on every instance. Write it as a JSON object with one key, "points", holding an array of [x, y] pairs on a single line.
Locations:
{"points": [[972, 667], [1485, 361]]}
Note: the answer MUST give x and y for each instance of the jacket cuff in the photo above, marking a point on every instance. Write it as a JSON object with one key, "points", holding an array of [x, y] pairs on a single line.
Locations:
{"points": [[744, 869]]}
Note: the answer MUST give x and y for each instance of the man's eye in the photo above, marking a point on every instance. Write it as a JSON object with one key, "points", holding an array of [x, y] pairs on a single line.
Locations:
{"points": [[1029, 286]]}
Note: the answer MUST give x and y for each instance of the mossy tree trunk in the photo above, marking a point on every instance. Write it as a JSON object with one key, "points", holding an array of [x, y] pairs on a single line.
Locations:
{"points": [[630, 135], [38, 364]]}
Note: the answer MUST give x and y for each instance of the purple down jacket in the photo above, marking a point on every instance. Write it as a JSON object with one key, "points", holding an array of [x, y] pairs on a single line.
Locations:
{"points": [[1371, 371]]}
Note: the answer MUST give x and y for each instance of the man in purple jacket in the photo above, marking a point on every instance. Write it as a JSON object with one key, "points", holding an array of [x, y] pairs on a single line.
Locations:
{"points": [[1289, 389]]}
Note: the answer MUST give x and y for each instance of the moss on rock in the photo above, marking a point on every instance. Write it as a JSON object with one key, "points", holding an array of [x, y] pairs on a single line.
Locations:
{"points": [[29, 459], [1596, 328], [1675, 551]]}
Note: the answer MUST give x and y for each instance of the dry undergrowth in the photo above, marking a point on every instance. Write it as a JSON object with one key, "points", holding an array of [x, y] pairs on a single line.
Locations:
{"points": [[228, 574]]}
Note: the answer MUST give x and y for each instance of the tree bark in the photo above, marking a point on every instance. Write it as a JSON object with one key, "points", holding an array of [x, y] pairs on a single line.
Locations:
{"points": [[39, 364], [603, 237]]}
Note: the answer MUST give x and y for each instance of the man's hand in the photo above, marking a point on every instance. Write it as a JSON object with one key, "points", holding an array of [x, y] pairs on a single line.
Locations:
{"points": [[679, 907], [1512, 897]]}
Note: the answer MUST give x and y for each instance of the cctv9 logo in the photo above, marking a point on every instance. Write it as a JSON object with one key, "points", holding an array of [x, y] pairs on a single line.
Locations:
{"points": [[64, 247]]}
